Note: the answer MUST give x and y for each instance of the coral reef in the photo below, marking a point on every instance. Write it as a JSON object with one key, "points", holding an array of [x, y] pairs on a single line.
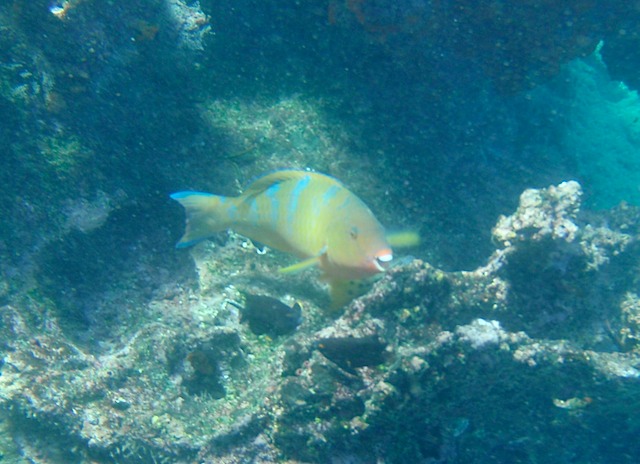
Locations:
{"points": [[114, 348], [518, 359]]}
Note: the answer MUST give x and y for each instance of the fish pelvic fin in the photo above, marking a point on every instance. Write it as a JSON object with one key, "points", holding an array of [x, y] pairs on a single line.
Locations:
{"points": [[304, 264], [206, 214], [300, 266]]}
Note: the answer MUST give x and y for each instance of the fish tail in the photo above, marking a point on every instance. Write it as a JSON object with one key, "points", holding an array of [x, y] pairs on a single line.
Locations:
{"points": [[206, 215]]}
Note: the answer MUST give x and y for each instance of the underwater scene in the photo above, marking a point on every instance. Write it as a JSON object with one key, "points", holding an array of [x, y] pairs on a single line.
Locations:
{"points": [[324, 231]]}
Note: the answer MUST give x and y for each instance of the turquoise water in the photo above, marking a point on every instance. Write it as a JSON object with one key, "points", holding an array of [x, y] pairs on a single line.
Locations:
{"points": [[509, 334]]}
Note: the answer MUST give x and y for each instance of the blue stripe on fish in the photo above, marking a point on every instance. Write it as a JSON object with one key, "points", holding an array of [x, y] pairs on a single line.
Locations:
{"points": [[295, 197], [345, 203], [274, 202], [190, 243], [253, 211], [330, 194], [232, 212], [271, 191], [188, 193]]}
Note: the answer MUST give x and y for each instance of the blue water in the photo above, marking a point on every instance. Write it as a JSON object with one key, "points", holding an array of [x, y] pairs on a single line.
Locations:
{"points": [[437, 114]]}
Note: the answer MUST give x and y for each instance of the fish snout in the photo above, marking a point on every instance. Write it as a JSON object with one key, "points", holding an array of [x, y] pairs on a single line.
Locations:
{"points": [[382, 259]]}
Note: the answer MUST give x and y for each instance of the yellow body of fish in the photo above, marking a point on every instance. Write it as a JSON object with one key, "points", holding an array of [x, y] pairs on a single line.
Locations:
{"points": [[307, 214]]}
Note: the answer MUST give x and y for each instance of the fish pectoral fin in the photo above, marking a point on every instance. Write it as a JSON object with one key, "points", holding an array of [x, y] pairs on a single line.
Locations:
{"points": [[403, 239], [300, 266]]}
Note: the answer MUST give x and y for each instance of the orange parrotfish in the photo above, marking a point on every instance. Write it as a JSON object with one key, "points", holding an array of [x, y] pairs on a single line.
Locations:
{"points": [[308, 214]]}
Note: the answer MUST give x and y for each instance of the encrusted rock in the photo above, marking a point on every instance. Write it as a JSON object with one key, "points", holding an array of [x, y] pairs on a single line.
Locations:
{"points": [[542, 213], [429, 366]]}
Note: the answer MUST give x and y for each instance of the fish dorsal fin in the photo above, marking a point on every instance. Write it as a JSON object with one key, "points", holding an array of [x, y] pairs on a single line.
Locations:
{"points": [[263, 183]]}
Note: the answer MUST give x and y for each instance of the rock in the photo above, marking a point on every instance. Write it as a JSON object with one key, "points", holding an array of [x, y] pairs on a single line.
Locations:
{"points": [[524, 356]]}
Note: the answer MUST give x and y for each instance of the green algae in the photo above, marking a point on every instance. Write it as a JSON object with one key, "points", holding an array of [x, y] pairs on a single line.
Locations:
{"points": [[64, 155], [294, 128]]}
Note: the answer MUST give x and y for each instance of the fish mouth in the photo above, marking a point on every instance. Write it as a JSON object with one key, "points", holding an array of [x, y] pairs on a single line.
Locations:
{"points": [[382, 261]]}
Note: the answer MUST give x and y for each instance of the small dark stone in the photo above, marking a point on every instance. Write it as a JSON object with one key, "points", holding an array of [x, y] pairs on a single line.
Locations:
{"points": [[295, 395], [121, 404], [270, 316], [352, 352]]}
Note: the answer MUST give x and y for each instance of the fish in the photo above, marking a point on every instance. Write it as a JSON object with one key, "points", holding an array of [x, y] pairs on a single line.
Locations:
{"points": [[310, 215], [267, 315], [353, 352]]}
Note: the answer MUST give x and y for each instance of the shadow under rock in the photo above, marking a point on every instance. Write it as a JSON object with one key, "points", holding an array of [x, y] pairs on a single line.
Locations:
{"points": [[101, 281]]}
